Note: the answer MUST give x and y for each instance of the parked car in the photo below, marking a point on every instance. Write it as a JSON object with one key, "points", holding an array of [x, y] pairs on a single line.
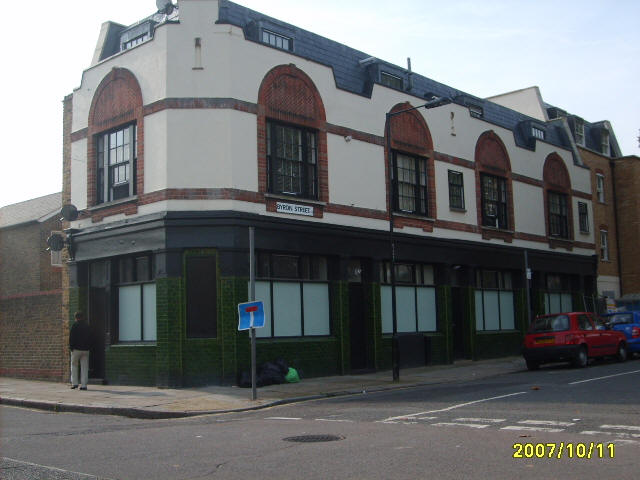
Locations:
{"points": [[571, 337], [629, 324]]}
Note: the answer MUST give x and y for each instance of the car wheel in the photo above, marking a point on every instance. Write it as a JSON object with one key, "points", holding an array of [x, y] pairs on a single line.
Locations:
{"points": [[531, 365], [582, 358], [621, 356]]}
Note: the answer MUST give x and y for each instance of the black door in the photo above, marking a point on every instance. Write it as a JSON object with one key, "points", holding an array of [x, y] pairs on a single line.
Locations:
{"points": [[97, 321], [458, 319], [358, 331]]}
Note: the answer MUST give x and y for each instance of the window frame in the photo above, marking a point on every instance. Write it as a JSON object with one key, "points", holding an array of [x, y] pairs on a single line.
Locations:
{"points": [[600, 187], [453, 195], [583, 217], [420, 185], [502, 220], [390, 80], [311, 269], [537, 133], [271, 35], [579, 132], [558, 220], [134, 281], [503, 282], [308, 164], [604, 246], [105, 186], [605, 143]]}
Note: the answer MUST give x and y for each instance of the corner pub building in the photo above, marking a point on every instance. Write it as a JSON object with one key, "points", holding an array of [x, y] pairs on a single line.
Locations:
{"points": [[200, 121]]}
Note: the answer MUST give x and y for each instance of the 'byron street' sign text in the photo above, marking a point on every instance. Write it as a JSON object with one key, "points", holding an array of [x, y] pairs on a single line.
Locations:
{"points": [[294, 209]]}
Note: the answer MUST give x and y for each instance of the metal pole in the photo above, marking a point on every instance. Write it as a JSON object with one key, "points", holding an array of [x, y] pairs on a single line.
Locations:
{"points": [[527, 283], [394, 339], [252, 297]]}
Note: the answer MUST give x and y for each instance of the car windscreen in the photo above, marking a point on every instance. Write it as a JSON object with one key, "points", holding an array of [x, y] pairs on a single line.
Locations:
{"points": [[620, 318], [555, 323]]}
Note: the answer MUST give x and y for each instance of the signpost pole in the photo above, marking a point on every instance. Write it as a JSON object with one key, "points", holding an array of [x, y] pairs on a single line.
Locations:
{"points": [[252, 297]]}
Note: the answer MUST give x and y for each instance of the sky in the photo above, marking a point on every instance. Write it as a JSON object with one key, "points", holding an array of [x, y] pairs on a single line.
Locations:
{"points": [[583, 55]]}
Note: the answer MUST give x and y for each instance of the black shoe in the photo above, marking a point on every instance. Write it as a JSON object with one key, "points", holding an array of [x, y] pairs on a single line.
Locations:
{"points": [[83, 388], [74, 386]]}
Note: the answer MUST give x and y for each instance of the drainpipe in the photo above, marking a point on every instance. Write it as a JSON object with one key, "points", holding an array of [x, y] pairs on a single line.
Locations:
{"points": [[615, 220]]}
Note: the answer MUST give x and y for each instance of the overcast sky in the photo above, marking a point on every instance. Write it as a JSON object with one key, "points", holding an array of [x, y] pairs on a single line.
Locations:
{"points": [[584, 55]]}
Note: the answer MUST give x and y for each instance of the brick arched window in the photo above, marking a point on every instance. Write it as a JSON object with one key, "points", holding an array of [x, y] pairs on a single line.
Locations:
{"points": [[292, 136], [412, 162], [557, 198], [115, 151], [494, 192]]}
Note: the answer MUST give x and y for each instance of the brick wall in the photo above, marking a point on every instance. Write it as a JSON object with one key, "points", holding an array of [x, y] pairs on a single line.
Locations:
{"points": [[627, 184], [603, 213]]}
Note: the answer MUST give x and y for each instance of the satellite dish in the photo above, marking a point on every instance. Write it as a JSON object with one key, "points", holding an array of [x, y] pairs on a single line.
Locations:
{"points": [[69, 212], [56, 242], [164, 6]]}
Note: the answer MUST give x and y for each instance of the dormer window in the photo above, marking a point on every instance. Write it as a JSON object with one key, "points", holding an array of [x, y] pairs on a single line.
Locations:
{"points": [[390, 80], [605, 148], [276, 40], [476, 111], [537, 132], [579, 131], [135, 41]]}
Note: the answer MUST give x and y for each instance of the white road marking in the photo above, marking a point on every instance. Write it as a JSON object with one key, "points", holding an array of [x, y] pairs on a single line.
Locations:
{"points": [[333, 420], [426, 418], [48, 467], [602, 378], [546, 422], [480, 420], [621, 427], [283, 418], [454, 424], [533, 429], [460, 405], [615, 434]]}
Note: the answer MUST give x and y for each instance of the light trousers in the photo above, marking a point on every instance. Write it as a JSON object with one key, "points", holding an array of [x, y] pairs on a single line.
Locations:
{"points": [[80, 358]]}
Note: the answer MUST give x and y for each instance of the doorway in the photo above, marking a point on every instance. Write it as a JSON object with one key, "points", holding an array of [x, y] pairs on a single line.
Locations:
{"points": [[459, 324], [357, 323]]}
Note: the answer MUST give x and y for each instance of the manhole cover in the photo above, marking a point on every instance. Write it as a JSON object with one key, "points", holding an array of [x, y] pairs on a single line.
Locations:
{"points": [[313, 438]]}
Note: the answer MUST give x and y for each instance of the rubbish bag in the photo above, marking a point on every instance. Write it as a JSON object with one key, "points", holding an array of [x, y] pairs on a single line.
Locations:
{"points": [[292, 376], [269, 374]]}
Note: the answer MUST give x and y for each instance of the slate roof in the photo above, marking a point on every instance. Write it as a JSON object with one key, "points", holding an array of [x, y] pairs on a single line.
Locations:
{"points": [[353, 77], [30, 210]]}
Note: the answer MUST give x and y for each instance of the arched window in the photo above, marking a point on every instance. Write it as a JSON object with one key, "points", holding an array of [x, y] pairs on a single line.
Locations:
{"points": [[115, 125], [412, 163], [557, 198], [292, 138], [493, 182]]}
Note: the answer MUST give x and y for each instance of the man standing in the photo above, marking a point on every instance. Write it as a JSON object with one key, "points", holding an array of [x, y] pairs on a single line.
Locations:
{"points": [[79, 344]]}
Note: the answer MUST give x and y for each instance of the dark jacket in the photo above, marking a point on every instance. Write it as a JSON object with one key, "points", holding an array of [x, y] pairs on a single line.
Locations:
{"points": [[80, 336]]}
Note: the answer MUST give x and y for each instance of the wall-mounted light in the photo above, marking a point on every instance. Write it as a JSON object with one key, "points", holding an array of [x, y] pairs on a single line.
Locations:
{"points": [[347, 138]]}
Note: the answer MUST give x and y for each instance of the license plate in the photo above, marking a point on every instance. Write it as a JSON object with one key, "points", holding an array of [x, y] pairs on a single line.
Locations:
{"points": [[544, 341]]}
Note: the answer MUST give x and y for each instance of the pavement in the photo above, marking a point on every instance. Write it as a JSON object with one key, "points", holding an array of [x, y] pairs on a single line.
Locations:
{"points": [[155, 403]]}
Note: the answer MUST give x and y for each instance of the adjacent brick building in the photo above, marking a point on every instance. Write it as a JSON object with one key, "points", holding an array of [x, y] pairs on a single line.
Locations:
{"points": [[32, 332]]}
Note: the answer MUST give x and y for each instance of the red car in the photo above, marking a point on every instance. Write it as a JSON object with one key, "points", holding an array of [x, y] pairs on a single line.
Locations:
{"points": [[571, 337]]}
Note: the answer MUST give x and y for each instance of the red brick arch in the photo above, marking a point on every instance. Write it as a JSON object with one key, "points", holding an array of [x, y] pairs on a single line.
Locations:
{"points": [[410, 134], [491, 157], [288, 95], [555, 177], [117, 101]]}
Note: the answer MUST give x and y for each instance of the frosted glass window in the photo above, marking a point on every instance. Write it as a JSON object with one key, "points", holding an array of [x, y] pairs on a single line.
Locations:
{"points": [[129, 324], [554, 303], [263, 293], [547, 307], [316, 308], [385, 300], [406, 309], [149, 311], [491, 310], [427, 275], [426, 309], [566, 302], [507, 315], [287, 309], [479, 311]]}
